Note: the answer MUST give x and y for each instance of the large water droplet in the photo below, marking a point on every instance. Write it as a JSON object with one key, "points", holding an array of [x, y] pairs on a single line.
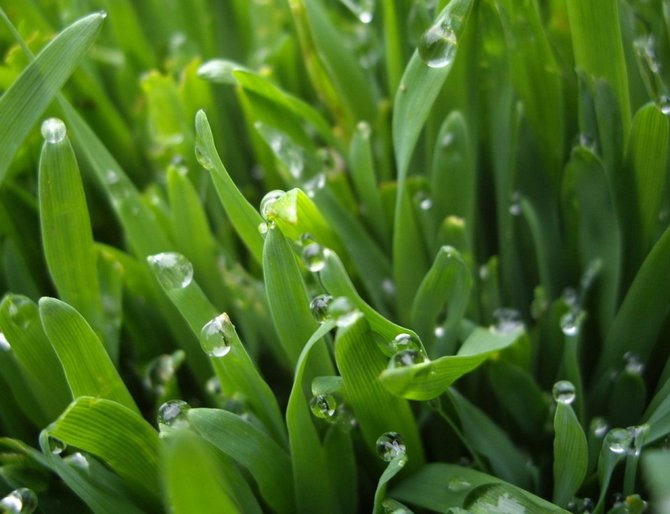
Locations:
{"points": [[407, 358], [323, 406], [619, 440], [4, 344], [319, 307], [19, 501], [564, 392], [403, 342], [217, 335], [343, 311], [390, 445], [314, 258], [507, 320], [56, 446], [53, 130], [437, 46], [173, 270], [268, 201], [173, 414]]}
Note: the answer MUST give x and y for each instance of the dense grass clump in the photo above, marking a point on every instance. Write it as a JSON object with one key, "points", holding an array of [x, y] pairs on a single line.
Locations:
{"points": [[325, 256]]}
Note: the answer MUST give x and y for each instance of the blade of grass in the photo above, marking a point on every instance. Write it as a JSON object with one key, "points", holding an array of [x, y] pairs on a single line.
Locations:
{"points": [[392, 469], [570, 454], [25, 101]]}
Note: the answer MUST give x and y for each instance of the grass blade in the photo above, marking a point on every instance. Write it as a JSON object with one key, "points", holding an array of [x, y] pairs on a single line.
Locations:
{"points": [[25, 101], [570, 454]]}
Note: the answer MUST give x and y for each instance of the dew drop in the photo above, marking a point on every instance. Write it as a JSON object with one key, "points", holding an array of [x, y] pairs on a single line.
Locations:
{"points": [[268, 201], [439, 332], [456, 484], [506, 320], [159, 372], [664, 104], [515, 204], [319, 307], [599, 427], [213, 386], [390, 445], [173, 414], [343, 311], [638, 437], [344, 419], [564, 392], [4, 344], [313, 257], [53, 130], [364, 129], [570, 324], [587, 141], [19, 501], [437, 46], [619, 441], [173, 270], [78, 460], [404, 342], [447, 140], [217, 335], [406, 358], [56, 446], [202, 155], [22, 311], [633, 365], [263, 228], [323, 406]]}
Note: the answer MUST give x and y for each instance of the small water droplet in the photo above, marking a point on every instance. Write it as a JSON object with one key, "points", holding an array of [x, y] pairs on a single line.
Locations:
{"points": [[78, 460], [22, 311], [515, 204], [53, 130], [570, 323], [447, 140], [173, 270], [173, 414], [313, 257], [439, 332], [618, 440], [263, 228], [213, 386], [319, 307], [202, 155], [56, 446], [645, 47], [564, 392], [4, 344], [426, 204], [437, 46], [507, 320], [343, 311], [664, 104], [364, 129], [217, 335], [323, 406], [633, 364], [388, 287], [403, 342], [587, 141], [268, 201], [362, 9], [19, 501], [599, 427], [159, 372], [390, 445], [406, 358], [638, 437], [456, 484]]}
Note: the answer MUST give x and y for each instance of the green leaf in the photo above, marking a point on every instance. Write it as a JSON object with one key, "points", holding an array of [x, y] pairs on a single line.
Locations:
{"points": [[66, 228], [430, 379], [25, 101], [194, 481], [119, 436], [570, 454], [656, 465], [241, 213], [392, 469], [88, 368], [266, 461], [360, 361]]}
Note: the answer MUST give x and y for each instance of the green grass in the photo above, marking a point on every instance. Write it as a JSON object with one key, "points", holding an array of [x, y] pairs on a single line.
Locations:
{"points": [[335, 256]]}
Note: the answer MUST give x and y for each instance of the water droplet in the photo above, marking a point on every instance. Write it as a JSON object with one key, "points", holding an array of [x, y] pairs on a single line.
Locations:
{"points": [[362, 9], [364, 129], [173, 270], [173, 414], [447, 140], [437, 46], [570, 323], [390, 445], [507, 320], [268, 201], [202, 155], [313, 257], [406, 358], [587, 141], [426, 204], [4, 344], [78, 460], [515, 204], [564, 392], [599, 427], [343, 311], [213, 386], [19, 501], [53, 130], [159, 372], [22, 311], [56, 446], [344, 419], [323, 406], [645, 47], [403, 342], [263, 228], [633, 364], [618, 440], [388, 287], [319, 307], [439, 332], [638, 437], [284, 148], [456, 484], [217, 335], [664, 104]]}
